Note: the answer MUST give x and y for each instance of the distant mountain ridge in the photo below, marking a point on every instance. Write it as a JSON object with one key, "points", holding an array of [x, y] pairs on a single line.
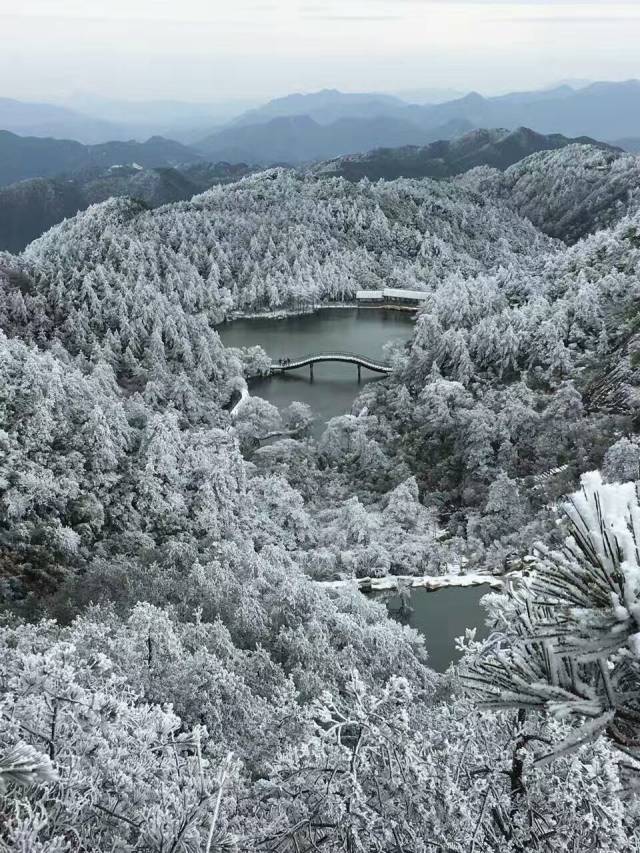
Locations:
{"points": [[23, 157], [92, 119], [50, 120], [498, 148], [295, 140], [29, 208], [604, 111], [173, 119], [324, 107], [302, 128]]}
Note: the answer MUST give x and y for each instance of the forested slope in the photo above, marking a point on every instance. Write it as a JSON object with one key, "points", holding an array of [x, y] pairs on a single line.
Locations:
{"points": [[278, 238], [568, 193], [172, 677], [497, 148], [31, 207]]}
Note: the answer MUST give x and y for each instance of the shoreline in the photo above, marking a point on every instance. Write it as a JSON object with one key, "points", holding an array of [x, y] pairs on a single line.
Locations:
{"points": [[431, 583], [283, 313]]}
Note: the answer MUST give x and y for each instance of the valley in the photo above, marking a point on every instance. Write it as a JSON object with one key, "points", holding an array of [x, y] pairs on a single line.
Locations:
{"points": [[216, 633]]}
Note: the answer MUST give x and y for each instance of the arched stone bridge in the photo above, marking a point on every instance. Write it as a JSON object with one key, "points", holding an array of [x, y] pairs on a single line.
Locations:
{"points": [[346, 357]]}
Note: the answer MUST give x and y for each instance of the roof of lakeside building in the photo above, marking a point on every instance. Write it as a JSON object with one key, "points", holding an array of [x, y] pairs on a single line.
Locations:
{"points": [[393, 293]]}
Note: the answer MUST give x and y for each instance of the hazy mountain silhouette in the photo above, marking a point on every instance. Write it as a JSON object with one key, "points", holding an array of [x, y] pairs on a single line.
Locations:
{"points": [[49, 120], [632, 145], [302, 128], [602, 110], [325, 107], [300, 139], [24, 157], [329, 123]]}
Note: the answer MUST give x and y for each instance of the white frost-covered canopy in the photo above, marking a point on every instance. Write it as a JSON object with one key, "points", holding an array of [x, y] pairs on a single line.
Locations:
{"points": [[603, 513]]}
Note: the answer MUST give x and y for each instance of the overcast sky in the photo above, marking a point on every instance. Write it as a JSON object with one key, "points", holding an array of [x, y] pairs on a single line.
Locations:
{"points": [[204, 50]]}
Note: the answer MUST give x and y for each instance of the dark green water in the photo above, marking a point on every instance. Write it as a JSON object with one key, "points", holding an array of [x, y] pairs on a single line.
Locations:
{"points": [[439, 616], [442, 616], [335, 386]]}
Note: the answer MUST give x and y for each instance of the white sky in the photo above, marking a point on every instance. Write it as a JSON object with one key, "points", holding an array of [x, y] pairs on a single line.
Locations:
{"points": [[207, 50]]}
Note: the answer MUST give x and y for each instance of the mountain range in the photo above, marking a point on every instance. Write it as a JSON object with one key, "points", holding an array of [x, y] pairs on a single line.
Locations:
{"points": [[51, 120], [184, 121], [443, 159], [24, 157], [301, 139], [324, 125], [30, 207], [369, 135], [602, 110], [91, 119], [325, 107], [321, 125]]}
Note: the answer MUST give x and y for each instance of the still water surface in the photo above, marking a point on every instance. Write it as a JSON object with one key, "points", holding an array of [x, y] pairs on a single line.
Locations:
{"points": [[442, 616], [439, 616], [335, 386]]}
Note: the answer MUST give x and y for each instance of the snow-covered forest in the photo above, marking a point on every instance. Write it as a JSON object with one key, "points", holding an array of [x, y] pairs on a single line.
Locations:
{"points": [[175, 674]]}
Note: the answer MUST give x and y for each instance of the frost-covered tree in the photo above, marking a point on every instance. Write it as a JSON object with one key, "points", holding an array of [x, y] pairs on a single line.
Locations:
{"points": [[571, 629], [621, 463]]}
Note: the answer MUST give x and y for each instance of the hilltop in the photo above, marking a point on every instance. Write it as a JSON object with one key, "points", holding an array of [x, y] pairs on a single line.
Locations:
{"points": [[567, 193], [443, 159]]}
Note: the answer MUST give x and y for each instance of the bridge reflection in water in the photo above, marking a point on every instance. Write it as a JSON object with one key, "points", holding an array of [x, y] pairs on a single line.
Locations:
{"points": [[317, 358]]}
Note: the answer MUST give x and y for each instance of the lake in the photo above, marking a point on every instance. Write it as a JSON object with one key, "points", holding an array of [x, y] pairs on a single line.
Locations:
{"points": [[334, 388], [442, 616], [439, 616]]}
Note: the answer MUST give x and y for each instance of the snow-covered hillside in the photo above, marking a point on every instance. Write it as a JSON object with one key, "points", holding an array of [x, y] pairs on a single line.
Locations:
{"points": [[173, 678]]}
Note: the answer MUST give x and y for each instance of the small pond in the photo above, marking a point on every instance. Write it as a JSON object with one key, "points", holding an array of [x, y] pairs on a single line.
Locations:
{"points": [[441, 616], [335, 386]]}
